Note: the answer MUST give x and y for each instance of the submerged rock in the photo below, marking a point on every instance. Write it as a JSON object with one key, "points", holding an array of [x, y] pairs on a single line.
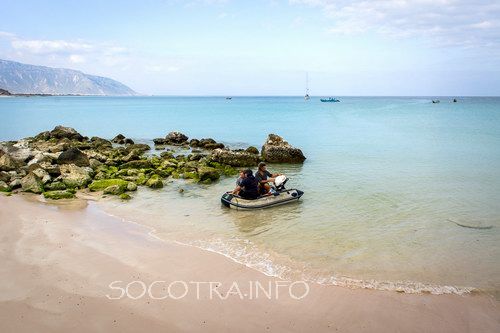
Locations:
{"points": [[277, 150], [208, 173], [73, 156], [125, 196], [234, 158]]}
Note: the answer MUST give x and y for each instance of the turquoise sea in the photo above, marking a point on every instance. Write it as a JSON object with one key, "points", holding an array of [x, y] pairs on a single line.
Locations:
{"points": [[387, 182]]}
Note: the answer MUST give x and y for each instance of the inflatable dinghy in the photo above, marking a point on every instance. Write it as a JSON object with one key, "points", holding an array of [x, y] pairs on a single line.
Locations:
{"points": [[280, 196]]}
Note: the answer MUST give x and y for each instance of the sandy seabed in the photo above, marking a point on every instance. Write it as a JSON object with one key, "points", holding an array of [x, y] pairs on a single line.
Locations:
{"points": [[70, 267]]}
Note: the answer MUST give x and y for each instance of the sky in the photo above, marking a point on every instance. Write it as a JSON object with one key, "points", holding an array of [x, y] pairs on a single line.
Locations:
{"points": [[228, 47]]}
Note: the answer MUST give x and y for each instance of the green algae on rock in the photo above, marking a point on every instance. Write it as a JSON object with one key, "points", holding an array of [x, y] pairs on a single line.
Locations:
{"points": [[58, 194]]}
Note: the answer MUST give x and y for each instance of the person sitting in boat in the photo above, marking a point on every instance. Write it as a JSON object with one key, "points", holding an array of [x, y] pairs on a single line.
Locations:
{"points": [[240, 178], [248, 188], [264, 177]]}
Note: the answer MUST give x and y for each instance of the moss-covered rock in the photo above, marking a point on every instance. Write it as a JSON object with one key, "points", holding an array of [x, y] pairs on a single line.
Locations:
{"points": [[224, 169], [58, 194], [206, 172], [32, 183], [131, 186], [170, 163], [125, 196], [75, 176], [114, 190], [252, 150], [155, 182], [142, 147], [190, 175], [55, 186], [162, 172], [234, 157], [102, 184], [155, 161], [141, 179], [139, 164], [4, 187], [166, 154]]}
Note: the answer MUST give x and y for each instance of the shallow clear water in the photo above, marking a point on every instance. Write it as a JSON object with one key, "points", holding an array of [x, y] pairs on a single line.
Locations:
{"points": [[384, 179]]}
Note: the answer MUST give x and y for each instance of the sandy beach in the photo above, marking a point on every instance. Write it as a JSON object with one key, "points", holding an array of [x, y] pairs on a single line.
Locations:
{"points": [[58, 262]]}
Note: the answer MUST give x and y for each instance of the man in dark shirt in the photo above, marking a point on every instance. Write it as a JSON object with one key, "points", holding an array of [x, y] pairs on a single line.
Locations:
{"points": [[264, 177], [248, 188]]}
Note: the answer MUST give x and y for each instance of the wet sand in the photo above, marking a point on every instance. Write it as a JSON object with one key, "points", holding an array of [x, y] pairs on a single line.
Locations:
{"points": [[58, 261]]}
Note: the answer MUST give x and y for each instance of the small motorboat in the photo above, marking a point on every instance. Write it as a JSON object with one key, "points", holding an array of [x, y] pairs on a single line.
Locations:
{"points": [[436, 101], [229, 98], [279, 195], [329, 100]]}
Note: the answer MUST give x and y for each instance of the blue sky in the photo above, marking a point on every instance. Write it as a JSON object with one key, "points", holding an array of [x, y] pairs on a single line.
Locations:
{"points": [[385, 47]]}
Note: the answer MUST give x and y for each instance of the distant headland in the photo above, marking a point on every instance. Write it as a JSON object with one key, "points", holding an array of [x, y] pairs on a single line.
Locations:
{"points": [[29, 80]]}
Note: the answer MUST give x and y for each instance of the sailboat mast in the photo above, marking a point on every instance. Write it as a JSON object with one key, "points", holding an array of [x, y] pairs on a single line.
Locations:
{"points": [[307, 83], [306, 97]]}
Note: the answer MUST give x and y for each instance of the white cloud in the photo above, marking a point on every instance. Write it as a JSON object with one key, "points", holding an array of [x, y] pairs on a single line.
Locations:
{"points": [[447, 22], [51, 46], [7, 35], [61, 52]]}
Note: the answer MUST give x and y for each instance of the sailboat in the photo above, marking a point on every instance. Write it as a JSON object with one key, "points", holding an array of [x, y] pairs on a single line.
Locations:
{"points": [[306, 97]]}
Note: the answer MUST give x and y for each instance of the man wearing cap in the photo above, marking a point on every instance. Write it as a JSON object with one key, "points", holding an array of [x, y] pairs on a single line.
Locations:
{"points": [[264, 177]]}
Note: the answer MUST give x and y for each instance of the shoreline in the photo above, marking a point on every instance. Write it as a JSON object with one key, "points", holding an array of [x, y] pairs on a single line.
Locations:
{"points": [[65, 255]]}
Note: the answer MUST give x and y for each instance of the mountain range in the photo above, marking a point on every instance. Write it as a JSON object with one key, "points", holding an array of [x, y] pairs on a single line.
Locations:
{"points": [[18, 78]]}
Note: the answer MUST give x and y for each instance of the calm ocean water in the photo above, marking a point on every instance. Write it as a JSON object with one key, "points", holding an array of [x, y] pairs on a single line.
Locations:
{"points": [[384, 182]]}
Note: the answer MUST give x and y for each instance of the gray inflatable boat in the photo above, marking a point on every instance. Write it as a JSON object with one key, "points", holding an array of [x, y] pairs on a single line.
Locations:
{"points": [[280, 197]]}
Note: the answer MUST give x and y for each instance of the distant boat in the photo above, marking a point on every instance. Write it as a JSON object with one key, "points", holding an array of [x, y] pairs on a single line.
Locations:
{"points": [[455, 100], [435, 101], [229, 98], [306, 97], [330, 100]]}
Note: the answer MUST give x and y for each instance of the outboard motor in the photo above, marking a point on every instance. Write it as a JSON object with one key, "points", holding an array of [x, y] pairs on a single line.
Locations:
{"points": [[280, 182]]}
